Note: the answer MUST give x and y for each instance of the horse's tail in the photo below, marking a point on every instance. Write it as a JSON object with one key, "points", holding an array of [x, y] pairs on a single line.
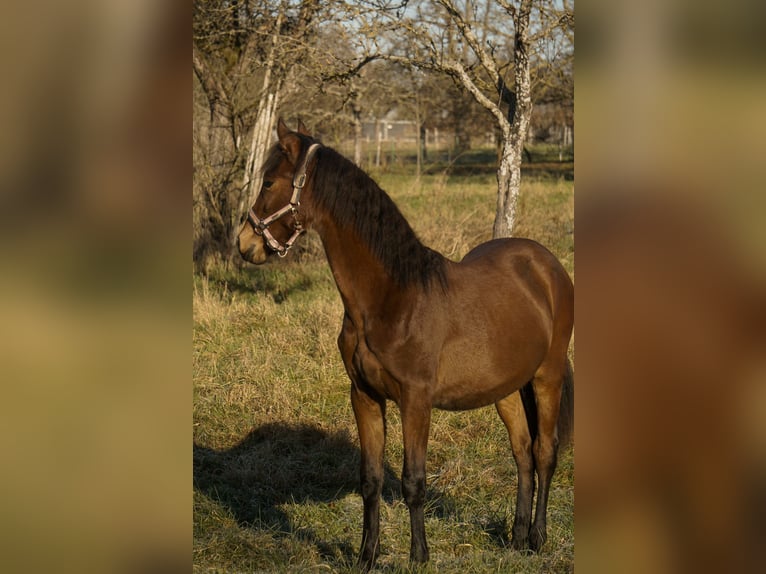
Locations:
{"points": [[565, 424]]}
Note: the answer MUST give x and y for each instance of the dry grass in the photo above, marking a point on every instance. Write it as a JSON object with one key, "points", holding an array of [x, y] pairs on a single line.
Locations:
{"points": [[275, 448]]}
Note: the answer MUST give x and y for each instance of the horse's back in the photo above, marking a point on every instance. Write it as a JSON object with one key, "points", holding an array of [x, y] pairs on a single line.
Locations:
{"points": [[516, 261], [510, 247]]}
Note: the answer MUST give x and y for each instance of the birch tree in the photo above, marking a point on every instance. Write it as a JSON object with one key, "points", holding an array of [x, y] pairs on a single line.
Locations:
{"points": [[487, 48]]}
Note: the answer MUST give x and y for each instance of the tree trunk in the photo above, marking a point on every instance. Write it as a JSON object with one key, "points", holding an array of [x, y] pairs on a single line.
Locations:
{"points": [[262, 130], [418, 144], [462, 141], [378, 142], [264, 125], [357, 136], [509, 170], [508, 185]]}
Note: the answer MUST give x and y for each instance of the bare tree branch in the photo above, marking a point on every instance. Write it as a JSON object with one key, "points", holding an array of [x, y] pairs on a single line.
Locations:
{"points": [[211, 84]]}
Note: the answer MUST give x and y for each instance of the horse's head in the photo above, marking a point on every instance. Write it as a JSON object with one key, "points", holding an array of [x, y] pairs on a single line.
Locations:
{"points": [[276, 220]]}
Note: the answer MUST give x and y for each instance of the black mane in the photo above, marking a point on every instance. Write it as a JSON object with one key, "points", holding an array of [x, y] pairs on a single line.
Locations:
{"points": [[355, 200]]}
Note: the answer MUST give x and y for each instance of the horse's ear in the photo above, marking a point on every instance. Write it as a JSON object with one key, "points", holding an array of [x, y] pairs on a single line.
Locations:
{"points": [[290, 143], [282, 130], [302, 128]]}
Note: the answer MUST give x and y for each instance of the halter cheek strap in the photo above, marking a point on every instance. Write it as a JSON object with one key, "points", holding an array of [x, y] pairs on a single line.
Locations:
{"points": [[261, 226]]}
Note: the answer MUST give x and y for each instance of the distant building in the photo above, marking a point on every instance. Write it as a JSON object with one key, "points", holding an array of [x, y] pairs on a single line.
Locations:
{"points": [[398, 130]]}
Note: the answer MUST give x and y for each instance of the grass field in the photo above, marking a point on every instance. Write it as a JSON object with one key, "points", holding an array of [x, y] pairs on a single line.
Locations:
{"points": [[275, 449]]}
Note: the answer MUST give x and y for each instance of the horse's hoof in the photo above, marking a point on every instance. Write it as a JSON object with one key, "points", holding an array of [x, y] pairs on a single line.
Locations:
{"points": [[537, 538]]}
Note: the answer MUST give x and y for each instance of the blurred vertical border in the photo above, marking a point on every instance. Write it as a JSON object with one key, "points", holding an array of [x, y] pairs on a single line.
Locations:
{"points": [[671, 286], [95, 188]]}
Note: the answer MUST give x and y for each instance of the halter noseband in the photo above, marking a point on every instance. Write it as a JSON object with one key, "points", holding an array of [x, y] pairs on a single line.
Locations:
{"points": [[261, 226]]}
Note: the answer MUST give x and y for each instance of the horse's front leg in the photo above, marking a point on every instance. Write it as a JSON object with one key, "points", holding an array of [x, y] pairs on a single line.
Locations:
{"points": [[370, 416], [416, 420]]}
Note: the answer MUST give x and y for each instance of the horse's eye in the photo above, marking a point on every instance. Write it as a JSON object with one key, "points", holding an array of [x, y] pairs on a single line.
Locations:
{"points": [[267, 184]]}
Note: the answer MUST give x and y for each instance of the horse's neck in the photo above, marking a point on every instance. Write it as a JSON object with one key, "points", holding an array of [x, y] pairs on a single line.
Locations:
{"points": [[361, 279]]}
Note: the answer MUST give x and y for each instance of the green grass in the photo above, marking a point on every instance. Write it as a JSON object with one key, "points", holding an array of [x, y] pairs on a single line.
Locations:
{"points": [[275, 448]]}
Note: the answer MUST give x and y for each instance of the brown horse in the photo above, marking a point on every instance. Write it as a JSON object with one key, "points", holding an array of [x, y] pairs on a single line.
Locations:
{"points": [[424, 331]]}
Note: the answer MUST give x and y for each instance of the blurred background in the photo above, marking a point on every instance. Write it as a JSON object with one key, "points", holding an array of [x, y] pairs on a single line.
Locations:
{"points": [[670, 208], [94, 337]]}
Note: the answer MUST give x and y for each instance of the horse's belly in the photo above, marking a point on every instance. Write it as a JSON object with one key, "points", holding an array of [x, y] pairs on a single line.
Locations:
{"points": [[476, 379], [472, 394]]}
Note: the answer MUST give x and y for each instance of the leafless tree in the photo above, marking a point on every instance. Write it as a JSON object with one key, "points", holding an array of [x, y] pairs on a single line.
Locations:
{"points": [[243, 52], [468, 41]]}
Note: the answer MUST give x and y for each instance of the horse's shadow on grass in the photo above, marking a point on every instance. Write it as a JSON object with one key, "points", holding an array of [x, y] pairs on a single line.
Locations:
{"points": [[279, 463], [264, 281], [276, 464]]}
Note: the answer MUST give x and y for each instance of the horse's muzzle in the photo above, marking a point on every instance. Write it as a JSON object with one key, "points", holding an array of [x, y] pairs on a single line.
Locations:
{"points": [[252, 248]]}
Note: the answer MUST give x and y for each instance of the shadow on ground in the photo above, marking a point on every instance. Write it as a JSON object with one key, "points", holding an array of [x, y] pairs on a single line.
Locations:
{"points": [[267, 279], [277, 464]]}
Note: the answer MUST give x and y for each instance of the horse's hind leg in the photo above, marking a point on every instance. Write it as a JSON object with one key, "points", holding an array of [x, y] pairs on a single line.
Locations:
{"points": [[547, 386], [511, 411]]}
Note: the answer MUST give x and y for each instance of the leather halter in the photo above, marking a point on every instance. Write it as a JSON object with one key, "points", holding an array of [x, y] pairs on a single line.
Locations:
{"points": [[261, 226]]}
